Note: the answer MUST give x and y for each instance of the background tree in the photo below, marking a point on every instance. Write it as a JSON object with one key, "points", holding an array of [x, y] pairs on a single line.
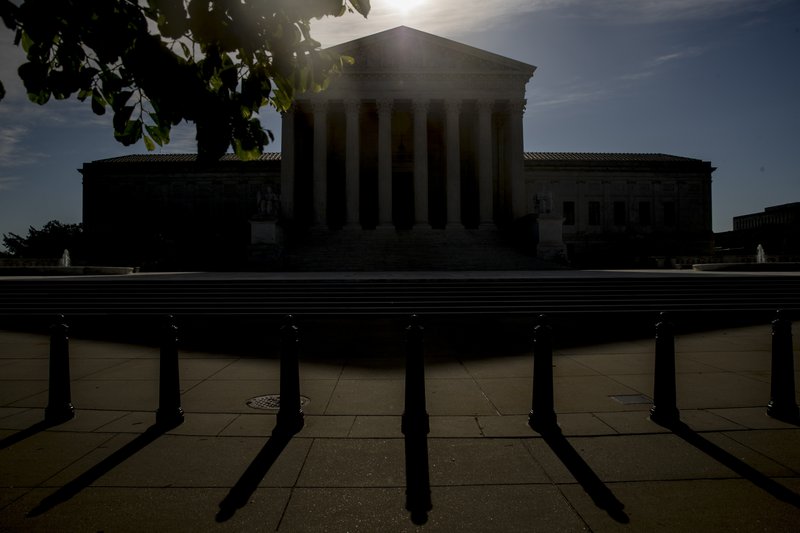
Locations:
{"points": [[155, 63], [48, 242]]}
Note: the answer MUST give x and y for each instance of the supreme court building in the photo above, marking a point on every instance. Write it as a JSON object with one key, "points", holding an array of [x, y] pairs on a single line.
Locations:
{"points": [[412, 158]]}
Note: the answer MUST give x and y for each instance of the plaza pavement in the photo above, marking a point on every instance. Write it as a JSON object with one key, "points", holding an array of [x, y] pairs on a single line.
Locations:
{"points": [[732, 468]]}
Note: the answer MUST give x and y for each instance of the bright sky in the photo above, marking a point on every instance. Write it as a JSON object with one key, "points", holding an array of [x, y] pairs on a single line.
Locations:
{"points": [[716, 80]]}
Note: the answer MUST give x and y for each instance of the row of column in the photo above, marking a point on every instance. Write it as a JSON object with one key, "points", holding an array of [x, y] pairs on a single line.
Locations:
{"points": [[485, 166]]}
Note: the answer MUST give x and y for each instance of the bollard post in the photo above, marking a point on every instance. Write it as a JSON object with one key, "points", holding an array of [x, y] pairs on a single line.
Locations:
{"points": [[290, 413], [665, 410], [542, 417], [415, 426], [59, 403], [415, 416], [169, 413], [782, 404]]}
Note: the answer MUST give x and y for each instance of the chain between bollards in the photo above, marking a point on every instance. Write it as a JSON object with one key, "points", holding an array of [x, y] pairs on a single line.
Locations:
{"points": [[290, 419], [59, 403], [782, 404], [170, 412], [542, 417], [665, 409]]}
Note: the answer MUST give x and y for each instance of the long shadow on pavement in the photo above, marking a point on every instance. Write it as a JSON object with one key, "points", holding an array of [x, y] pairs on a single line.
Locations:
{"points": [[26, 433], [583, 473], [743, 469], [418, 486], [240, 493], [75, 486]]}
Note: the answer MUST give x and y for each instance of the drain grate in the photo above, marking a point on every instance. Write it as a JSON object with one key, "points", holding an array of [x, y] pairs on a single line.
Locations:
{"points": [[632, 399], [271, 402]]}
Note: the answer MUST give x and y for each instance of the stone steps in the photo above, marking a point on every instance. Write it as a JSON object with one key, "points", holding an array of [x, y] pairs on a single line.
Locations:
{"points": [[392, 250]]}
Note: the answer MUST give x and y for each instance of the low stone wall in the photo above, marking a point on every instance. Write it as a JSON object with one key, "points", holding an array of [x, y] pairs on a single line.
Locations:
{"points": [[23, 262], [47, 270]]}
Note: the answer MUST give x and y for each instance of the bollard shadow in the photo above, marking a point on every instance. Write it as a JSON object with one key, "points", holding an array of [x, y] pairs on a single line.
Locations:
{"points": [[26, 433], [600, 494], [757, 478], [418, 485], [247, 484], [74, 487]]}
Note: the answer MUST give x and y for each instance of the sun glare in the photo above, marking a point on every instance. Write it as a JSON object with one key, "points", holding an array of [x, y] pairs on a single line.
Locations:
{"points": [[402, 7]]}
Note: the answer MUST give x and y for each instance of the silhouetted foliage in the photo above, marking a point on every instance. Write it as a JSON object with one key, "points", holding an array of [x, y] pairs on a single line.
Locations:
{"points": [[155, 63], [48, 242]]}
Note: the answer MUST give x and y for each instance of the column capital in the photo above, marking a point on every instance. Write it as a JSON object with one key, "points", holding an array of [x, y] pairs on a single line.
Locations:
{"points": [[420, 106], [352, 105], [384, 105], [517, 106], [319, 106], [452, 106], [485, 106]]}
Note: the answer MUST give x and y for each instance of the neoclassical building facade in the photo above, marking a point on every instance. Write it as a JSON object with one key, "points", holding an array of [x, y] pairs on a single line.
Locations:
{"points": [[412, 158], [420, 131]]}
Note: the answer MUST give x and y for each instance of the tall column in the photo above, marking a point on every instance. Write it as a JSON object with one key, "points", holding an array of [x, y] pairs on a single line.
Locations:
{"points": [[320, 163], [287, 163], [352, 164], [485, 189], [385, 163], [515, 157], [420, 162], [453, 187]]}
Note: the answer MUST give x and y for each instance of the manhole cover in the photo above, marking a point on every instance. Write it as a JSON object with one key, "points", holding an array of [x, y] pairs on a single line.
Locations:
{"points": [[271, 402], [632, 399]]}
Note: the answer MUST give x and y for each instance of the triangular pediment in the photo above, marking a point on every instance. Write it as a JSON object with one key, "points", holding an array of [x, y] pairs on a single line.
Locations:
{"points": [[405, 49]]}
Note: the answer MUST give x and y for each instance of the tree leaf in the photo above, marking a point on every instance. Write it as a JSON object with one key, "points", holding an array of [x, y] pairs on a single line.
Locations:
{"points": [[149, 144], [362, 6]]}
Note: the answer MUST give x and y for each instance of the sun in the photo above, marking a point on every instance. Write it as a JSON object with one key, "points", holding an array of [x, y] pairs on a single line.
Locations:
{"points": [[402, 7]]}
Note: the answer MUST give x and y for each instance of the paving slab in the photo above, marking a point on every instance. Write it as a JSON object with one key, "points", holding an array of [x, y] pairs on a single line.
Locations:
{"points": [[367, 397], [24, 393], [186, 461], [751, 417], [696, 505], [376, 427], [33, 460], [143, 509], [457, 397], [782, 446], [482, 462], [454, 426], [354, 463], [324, 509], [646, 457]]}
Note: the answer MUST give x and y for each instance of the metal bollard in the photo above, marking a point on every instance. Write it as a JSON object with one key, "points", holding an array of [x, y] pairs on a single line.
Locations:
{"points": [[415, 416], [542, 417], [169, 413], [59, 403], [290, 414], [415, 425], [665, 410], [782, 404]]}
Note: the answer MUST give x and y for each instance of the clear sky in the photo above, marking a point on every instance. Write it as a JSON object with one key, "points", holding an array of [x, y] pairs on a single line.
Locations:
{"points": [[717, 80]]}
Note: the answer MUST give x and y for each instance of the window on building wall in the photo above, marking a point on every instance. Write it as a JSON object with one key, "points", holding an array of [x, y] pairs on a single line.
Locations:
{"points": [[669, 213], [594, 213], [568, 212], [620, 214], [645, 217]]}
